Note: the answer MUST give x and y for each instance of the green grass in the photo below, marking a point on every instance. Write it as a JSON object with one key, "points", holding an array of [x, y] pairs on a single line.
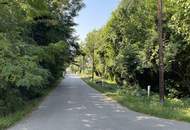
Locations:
{"points": [[11, 119], [174, 109]]}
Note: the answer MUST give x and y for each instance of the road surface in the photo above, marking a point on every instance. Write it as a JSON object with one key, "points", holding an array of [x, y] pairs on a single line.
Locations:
{"points": [[73, 105]]}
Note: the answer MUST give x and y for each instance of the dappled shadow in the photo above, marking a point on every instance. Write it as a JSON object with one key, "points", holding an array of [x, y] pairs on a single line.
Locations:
{"points": [[102, 102], [74, 103], [155, 122]]}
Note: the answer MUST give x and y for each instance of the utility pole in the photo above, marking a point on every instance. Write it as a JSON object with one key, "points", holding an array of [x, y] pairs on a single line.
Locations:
{"points": [[83, 58], [93, 63], [161, 51]]}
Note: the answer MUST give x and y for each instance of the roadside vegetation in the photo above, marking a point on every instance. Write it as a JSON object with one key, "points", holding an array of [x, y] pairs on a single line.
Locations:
{"points": [[37, 43], [126, 51], [24, 110], [136, 99]]}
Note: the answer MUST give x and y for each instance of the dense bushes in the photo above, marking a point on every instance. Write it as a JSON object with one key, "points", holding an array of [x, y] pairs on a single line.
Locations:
{"points": [[129, 44], [37, 43]]}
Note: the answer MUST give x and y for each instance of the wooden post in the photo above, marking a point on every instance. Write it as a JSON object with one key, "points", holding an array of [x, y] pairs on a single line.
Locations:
{"points": [[83, 58], [93, 63], [161, 52]]}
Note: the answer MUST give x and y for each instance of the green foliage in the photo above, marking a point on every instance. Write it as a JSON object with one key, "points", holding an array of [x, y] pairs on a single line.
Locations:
{"points": [[128, 45], [37, 43], [180, 20]]}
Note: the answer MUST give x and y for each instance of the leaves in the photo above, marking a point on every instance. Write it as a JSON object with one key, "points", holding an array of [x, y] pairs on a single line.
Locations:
{"points": [[36, 46], [128, 44]]}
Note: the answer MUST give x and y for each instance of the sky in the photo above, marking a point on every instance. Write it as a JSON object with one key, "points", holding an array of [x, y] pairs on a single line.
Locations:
{"points": [[94, 15]]}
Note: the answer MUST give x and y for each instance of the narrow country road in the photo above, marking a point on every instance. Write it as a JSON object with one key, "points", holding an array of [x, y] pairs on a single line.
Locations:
{"points": [[73, 105]]}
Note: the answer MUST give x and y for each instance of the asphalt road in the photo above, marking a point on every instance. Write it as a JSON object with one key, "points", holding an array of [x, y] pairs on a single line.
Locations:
{"points": [[73, 105]]}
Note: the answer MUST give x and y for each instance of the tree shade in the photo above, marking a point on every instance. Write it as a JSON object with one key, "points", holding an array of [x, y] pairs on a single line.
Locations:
{"points": [[37, 43], [128, 43]]}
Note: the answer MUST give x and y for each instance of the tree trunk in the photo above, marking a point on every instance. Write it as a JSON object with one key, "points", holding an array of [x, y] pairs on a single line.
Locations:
{"points": [[93, 64], [161, 52]]}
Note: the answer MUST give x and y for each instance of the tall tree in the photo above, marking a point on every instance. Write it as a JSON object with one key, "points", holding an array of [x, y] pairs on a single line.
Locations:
{"points": [[37, 43], [129, 45], [161, 52]]}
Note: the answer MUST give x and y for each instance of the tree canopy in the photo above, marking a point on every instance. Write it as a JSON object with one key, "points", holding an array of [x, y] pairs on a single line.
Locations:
{"points": [[128, 43], [37, 43]]}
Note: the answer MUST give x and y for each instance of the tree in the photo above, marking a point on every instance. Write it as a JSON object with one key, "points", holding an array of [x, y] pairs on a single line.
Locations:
{"points": [[161, 53], [129, 46], [91, 45], [37, 43]]}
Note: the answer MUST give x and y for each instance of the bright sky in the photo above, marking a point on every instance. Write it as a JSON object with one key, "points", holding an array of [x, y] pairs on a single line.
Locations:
{"points": [[94, 15]]}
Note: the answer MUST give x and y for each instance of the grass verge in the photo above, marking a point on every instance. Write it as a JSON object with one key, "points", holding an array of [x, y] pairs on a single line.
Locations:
{"points": [[174, 109], [11, 119]]}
